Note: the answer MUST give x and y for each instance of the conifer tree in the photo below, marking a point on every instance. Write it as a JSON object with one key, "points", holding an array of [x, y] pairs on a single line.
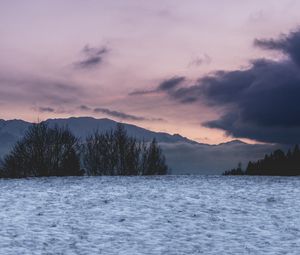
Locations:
{"points": [[277, 163]]}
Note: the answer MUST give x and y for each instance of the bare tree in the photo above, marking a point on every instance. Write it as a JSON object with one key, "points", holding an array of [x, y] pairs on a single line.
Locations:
{"points": [[44, 151], [115, 153]]}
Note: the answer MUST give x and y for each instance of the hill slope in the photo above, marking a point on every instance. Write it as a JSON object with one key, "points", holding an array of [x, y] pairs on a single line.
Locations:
{"points": [[184, 156]]}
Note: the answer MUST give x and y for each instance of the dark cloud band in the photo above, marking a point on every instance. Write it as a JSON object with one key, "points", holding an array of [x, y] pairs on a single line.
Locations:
{"points": [[261, 102], [166, 85], [118, 114]]}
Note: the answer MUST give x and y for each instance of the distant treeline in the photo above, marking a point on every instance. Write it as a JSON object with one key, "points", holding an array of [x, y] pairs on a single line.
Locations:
{"points": [[277, 163], [45, 151]]}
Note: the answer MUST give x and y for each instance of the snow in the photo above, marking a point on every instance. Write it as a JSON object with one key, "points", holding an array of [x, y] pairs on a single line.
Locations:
{"points": [[150, 215]]}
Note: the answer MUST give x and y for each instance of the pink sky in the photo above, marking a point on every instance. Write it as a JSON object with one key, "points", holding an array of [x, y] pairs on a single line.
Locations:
{"points": [[146, 42]]}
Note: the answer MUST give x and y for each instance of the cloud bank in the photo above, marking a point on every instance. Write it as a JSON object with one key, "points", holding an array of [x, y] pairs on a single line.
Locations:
{"points": [[260, 102]]}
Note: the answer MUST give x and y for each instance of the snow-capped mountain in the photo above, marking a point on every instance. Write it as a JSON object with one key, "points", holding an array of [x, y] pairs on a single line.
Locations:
{"points": [[184, 156]]}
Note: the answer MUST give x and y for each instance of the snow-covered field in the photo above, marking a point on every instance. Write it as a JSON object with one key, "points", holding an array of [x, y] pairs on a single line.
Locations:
{"points": [[155, 215]]}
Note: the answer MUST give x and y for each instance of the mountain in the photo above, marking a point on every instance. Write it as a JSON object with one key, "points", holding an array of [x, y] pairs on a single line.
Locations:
{"points": [[183, 155], [10, 132], [83, 126]]}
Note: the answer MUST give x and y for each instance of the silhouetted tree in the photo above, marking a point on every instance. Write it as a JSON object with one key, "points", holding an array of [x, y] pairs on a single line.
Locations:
{"points": [[155, 162], [235, 171], [121, 145], [99, 154], [43, 151], [115, 153]]}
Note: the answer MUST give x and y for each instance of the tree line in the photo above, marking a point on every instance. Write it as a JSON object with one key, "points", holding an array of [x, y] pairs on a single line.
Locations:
{"points": [[46, 151], [277, 163]]}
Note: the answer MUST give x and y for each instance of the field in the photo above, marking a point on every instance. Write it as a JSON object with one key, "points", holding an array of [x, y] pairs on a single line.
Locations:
{"points": [[155, 215]]}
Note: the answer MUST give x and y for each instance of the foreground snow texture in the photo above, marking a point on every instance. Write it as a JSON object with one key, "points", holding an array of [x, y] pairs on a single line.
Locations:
{"points": [[155, 215]]}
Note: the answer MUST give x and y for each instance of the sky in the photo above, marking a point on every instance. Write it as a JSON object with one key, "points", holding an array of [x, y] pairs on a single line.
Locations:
{"points": [[212, 70]]}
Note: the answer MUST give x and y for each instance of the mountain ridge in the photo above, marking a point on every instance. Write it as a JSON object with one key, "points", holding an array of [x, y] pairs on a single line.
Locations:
{"points": [[184, 156], [61, 121]]}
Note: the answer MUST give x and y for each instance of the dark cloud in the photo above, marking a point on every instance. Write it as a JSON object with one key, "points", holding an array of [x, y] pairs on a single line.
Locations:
{"points": [[32, 89], [46, 109], [170, 83], [288, 44], [92, 57], [124, 116], [166, 85], [260, 102]]}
